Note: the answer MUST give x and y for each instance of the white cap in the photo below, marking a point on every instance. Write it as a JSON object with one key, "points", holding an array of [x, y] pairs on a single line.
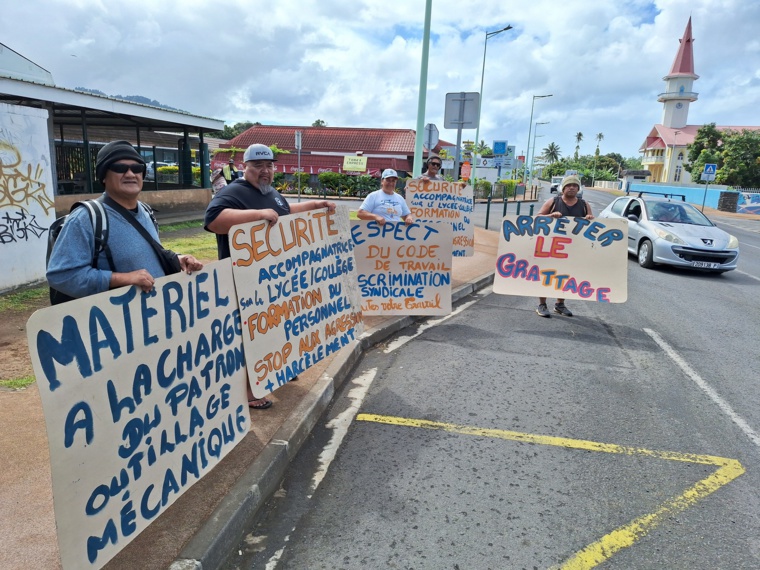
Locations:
{"points": [[388, 173], [258, 152]]}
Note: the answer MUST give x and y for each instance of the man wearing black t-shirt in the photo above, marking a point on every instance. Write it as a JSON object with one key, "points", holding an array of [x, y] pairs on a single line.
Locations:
{"points": [[250, 199], [567, 204]]}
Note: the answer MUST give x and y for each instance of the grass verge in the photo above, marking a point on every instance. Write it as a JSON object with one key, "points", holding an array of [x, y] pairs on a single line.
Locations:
{"points": [[23, 300], [17, 383]]}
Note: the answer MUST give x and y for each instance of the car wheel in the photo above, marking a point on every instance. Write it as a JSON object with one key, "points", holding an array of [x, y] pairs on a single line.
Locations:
{"points": [[645, 254]]}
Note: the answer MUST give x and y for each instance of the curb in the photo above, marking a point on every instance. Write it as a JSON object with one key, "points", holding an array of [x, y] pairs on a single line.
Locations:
{"points": [[211, 545]]}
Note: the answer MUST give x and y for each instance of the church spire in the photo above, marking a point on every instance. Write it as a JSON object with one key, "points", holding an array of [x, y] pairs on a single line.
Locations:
{"points": [[683, 64]]}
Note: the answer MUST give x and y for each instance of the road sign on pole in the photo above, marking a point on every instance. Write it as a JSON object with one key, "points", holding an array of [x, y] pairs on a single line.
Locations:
{"points": [[431, 136], [499, 147]]}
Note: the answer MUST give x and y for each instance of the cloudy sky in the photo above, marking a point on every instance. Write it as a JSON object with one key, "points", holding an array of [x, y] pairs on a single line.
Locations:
{"points": [[357, 64]]}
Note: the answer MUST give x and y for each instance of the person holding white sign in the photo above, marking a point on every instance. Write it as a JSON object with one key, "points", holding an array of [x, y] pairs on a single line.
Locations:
{"points": [[433, 165], [566, 204], [384, 204], [132, 255], [250, 199]]}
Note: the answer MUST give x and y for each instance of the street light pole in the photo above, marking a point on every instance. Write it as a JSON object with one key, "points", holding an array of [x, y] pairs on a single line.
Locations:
{"points": [[482, 77], [533, 153], [527, 147]]}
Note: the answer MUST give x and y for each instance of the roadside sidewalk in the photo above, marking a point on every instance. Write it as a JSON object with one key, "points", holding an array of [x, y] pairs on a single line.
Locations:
{"points": [[203, 525]]}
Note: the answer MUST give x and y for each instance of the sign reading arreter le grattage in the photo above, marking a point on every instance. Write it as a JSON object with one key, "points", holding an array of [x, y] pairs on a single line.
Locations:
{"points": [[298, 293], [569, 258], [439, 201], [143, 394], [403, 269]]}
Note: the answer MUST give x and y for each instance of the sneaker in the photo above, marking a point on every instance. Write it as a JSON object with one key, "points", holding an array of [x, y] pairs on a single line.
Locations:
{"points": [[543, 311], [562, 310]]}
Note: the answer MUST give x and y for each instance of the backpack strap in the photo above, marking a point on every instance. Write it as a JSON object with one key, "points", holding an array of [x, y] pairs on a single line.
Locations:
{"points": [[148, 210], [100, 227]]}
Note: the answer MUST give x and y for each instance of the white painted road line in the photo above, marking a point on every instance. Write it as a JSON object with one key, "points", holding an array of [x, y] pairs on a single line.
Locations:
{"points": [[706, 388], [747, 274]]}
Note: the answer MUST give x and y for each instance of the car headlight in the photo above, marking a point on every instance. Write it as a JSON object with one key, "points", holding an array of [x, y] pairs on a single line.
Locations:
{"points": [[733, 242], [667, 236]]}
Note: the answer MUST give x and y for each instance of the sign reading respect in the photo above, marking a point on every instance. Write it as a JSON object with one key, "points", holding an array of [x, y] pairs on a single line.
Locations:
{"points": [[403, 270], [570, 258], [142, 394], [451, 202], [297, 291]]}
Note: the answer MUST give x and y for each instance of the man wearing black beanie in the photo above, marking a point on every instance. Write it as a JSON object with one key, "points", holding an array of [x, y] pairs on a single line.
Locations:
{"points": [[131, 256]]}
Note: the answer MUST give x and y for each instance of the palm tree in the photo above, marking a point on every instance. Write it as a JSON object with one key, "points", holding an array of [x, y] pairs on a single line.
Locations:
{"points": [[599, 138], [552, 153], [578, 139]]}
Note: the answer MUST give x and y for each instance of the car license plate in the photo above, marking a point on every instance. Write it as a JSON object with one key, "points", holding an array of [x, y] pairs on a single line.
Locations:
{"points": [[705, 264]]}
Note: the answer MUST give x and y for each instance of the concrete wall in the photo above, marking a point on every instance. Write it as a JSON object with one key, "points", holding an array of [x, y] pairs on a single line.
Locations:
{"points": [[26, 194]]}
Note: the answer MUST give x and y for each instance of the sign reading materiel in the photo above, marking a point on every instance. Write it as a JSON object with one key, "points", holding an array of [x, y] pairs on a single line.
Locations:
{"points": [[404, 270], [297, 291], [569, 258], [355, 163], [451, 202], [143, 394]]}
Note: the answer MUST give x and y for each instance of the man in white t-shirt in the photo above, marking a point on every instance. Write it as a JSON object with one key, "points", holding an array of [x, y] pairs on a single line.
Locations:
{"points": [[384, 204]]}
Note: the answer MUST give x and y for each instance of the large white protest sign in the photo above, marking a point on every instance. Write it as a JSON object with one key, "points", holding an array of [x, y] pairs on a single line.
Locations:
{"points": [[403, 269], [452, 202], [143, 394], [297, 291], [569, 258]]}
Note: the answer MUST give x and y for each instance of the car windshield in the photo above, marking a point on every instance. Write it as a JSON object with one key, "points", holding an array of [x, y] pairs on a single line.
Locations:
{"points": [[676, 213]]}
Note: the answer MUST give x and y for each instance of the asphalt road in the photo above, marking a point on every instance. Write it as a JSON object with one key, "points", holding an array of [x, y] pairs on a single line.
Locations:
{"points": [[625, 436]]}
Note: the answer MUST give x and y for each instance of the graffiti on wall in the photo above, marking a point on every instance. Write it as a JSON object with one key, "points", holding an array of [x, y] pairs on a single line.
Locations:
{"points": [[27, 206]]}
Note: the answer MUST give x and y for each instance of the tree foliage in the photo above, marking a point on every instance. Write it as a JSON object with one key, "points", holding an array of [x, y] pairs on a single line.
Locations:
{"points": [[578, 139], [736, 154], [552, 153], [230, 132], [319, 123]]}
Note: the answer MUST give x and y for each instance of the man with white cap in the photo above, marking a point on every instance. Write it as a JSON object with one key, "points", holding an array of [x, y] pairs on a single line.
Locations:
{"points": [[384, 204], [250, 199], [566, 204]]}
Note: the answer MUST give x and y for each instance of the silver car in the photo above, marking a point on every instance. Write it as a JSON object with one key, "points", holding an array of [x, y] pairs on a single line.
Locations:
{"points": [[669, 231]]}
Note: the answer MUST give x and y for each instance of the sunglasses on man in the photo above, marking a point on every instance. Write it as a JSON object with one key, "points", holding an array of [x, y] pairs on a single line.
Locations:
{"points": [[121, 168], [437, 164]]}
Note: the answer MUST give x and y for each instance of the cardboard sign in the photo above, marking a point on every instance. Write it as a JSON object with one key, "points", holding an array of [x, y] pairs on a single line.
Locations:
{"points": [[143, 394], [297, 291], [439, 201], [403, 270], [569, 258]]}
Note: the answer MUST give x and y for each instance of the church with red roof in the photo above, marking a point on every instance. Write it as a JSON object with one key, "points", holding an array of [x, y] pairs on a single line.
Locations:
{"points": [[665, 148]]}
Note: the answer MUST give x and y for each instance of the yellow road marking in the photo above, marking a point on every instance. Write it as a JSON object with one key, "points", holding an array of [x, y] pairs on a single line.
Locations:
{"points": [[626, 535]]}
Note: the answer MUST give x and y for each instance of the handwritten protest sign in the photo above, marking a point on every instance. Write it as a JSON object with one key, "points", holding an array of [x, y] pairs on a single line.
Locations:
{"points": [[297, 291], [143, 394], [570, 258], [403, 270], [438, 201]]}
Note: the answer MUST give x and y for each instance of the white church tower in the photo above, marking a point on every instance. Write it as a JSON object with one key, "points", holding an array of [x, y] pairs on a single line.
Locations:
{"points": [[679, 83]]}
